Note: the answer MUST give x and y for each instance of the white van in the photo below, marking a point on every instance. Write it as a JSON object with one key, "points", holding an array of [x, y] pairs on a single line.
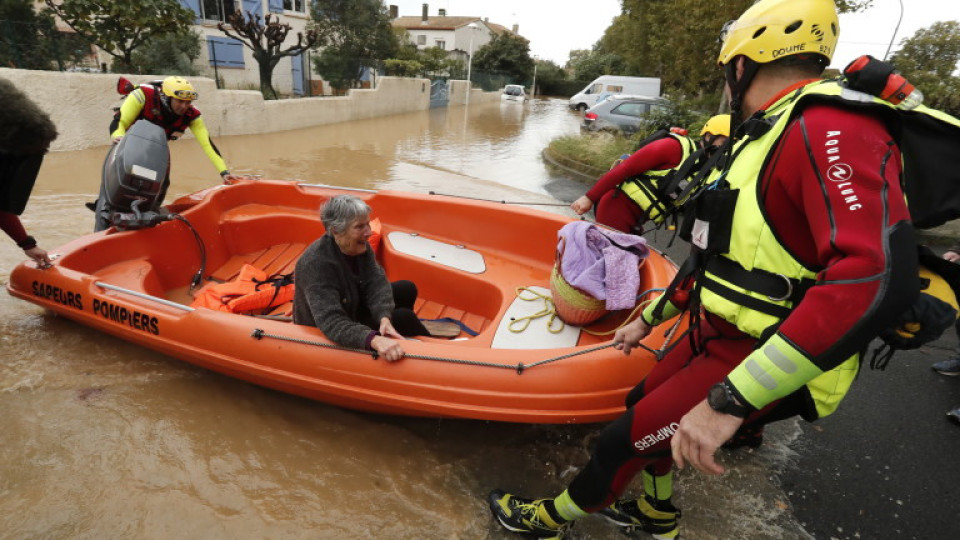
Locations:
{"points": [[608, 85]]}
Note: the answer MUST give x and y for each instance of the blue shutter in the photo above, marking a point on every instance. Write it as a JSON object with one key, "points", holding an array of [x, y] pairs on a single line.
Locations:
{"points": [[297, 63], [253, 6], [193, 5], [276, 6], [225, 52]]}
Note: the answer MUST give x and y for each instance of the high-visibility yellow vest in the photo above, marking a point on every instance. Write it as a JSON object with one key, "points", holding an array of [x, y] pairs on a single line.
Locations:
{"points": [[755, 248], [643, 189]]}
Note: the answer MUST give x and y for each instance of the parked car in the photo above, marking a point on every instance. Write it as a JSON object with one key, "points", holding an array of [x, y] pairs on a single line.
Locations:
{"points": [[608, 85], [514, 92], [620, 113]]}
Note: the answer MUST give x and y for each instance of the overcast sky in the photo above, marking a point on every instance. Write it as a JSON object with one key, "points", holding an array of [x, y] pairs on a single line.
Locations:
{"points": [[555, 27]]}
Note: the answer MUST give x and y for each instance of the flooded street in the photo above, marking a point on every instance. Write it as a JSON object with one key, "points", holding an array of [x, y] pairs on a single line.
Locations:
{"points": [[100, 438]]}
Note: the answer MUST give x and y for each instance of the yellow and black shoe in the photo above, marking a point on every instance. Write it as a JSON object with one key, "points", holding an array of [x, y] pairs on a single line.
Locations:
{"points": [[524, 516], [639, 515]]}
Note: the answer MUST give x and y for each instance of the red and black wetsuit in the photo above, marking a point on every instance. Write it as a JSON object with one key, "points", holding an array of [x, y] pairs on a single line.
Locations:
{"points": [[824, 227], [10, 224], [614, 208]]}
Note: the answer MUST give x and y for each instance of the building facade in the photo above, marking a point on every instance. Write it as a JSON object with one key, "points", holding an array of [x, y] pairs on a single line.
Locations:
{"points": [[228, 61], [459, 36], [232, 64]]}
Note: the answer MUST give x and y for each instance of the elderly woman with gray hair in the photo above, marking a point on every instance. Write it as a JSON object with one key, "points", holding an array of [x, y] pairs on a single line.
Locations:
{"points": [[343, 291]]}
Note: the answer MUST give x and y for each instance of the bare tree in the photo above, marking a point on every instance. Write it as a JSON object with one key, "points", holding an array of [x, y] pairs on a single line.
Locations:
{"points": [[265, 39]]}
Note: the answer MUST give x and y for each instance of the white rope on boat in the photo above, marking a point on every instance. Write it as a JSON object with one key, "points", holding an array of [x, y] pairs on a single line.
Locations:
{"points": [[303, 184], [144, 296]]}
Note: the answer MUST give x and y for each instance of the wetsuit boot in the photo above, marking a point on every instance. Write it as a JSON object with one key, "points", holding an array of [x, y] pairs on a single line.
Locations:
{"points": [[653, 513], [529, 517]]}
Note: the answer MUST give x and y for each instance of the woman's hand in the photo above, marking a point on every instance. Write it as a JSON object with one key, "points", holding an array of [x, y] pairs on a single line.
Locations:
{"points": [[388, 348], [387, 329], [582, 205], [952, 256], [628, 337]]}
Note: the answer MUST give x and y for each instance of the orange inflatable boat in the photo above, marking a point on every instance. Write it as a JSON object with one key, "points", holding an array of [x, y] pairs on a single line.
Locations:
{"points": [[468, 258]]}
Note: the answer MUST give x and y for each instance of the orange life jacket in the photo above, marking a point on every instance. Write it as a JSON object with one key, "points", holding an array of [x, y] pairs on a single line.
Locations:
{"points": [[374, 240], [252, 290]]}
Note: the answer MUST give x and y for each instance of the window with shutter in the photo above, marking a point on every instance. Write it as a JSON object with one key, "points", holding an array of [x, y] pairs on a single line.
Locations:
{"points": [[225, 52]]}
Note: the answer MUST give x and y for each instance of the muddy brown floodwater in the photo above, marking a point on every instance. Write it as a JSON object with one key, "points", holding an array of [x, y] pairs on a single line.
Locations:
{"points": [[100, 438]]}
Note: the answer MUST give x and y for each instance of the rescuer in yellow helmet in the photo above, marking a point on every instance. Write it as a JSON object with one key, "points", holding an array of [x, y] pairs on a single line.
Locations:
{"points": [[802, 252]]}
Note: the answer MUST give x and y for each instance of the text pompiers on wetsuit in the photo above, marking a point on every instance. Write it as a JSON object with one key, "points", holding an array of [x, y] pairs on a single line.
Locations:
{"points": [[660, 435]]}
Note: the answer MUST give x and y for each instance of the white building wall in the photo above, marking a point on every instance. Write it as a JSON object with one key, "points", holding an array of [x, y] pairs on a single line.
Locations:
{"points": [[431, 36], [80, 104], [481, 36]]}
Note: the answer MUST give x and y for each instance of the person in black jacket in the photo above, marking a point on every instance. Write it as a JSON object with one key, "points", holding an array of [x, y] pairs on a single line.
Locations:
{"points": [[25, 136], [343, 291]]}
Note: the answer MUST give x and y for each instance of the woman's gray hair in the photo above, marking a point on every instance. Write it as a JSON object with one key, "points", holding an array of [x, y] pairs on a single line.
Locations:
{"points": [[339, 212]]}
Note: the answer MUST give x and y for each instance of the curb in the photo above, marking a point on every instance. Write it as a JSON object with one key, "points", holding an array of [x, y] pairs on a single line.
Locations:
{"points": [[578, 170]]}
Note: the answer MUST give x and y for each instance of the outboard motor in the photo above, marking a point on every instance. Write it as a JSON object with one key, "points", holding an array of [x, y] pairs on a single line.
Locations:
{"points": [[135, 171]]}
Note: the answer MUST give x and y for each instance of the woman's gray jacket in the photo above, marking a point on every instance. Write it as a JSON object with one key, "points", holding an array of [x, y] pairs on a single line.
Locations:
{"points": [[328, 294]]}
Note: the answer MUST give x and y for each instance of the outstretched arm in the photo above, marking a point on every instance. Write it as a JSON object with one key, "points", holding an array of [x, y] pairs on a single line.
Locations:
{"points": [[11, 225], [199, 130]]}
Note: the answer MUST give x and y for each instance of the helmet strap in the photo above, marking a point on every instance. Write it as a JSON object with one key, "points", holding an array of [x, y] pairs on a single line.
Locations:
{"points": [[167, 110], [738, 87]]}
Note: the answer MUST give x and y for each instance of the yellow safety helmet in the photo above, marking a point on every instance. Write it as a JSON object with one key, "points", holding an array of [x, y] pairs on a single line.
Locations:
{"points": [[773, 29], [717, 125], [933, 312], [180, 88]]}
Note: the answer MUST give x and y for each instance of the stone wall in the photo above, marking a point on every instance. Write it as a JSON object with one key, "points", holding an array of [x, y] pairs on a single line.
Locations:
{"points": [[80, 104]]}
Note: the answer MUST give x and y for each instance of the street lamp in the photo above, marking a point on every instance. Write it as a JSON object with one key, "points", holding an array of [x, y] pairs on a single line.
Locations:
{"points": [[473, 27], [895, 30], [533, 89]]}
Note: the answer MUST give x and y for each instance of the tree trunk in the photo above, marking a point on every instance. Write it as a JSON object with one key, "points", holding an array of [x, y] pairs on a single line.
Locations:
{"points": [[266, 66]]}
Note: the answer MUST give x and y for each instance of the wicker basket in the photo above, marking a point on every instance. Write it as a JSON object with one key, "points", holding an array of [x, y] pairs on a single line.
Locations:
{"points": [[573, 306]]}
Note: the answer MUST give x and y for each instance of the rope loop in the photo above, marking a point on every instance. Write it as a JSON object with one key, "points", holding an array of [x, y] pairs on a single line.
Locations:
{"points": [[549, 311]]}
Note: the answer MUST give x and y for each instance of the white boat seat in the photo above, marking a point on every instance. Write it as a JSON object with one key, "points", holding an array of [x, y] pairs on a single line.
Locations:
{"points": [[454, 256], [536, 335]]}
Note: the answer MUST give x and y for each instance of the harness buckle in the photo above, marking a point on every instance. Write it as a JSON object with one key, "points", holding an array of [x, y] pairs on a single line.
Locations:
{"points": [[789, 292]]}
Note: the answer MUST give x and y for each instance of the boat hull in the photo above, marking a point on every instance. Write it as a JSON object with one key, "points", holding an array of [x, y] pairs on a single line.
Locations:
{"points": [[133, 285]]}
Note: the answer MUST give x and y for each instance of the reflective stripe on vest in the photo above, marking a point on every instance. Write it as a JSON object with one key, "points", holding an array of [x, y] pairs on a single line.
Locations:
{"points": [[641, 188]]}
